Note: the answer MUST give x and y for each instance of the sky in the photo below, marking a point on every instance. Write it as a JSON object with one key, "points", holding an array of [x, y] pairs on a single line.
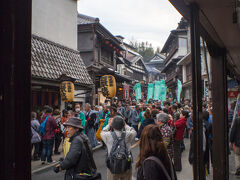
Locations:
{"points": [[135, 20]]}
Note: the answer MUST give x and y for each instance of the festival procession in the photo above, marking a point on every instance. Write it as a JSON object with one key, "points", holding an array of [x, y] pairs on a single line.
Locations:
{"points": [[108, 107]]}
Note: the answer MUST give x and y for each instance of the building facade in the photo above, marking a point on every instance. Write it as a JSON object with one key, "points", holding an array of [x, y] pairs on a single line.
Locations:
{"points": [[154, 67], [175, 48], [54, 53], [101, 52]]}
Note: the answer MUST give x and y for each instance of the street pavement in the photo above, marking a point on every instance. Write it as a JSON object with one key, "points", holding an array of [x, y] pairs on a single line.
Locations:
{"points": [[100, 155]]}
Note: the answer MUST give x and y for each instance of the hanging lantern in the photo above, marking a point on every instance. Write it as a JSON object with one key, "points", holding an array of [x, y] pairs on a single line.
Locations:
{"points": [[107, 42], [110, 45], [67, 91], [108, 85]]}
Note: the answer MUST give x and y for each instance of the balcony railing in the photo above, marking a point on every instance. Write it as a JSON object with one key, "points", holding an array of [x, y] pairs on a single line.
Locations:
{"points": [[170, 76]]}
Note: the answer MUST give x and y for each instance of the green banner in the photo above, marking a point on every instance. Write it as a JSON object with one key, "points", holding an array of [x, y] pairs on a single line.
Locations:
{"points": [[179, 90], [138, 91], [157, 90], [163, 91], [150, 91]]}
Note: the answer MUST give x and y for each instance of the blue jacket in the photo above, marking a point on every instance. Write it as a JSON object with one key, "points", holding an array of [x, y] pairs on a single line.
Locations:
{"points": [[134, 117]]}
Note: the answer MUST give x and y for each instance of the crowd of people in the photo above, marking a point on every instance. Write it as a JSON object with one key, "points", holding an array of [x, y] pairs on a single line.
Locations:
{"points": [[159, 127]]}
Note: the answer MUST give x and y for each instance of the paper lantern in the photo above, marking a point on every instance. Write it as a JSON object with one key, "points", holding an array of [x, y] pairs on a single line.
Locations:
{"points": [[108, 85], [67, 91]]}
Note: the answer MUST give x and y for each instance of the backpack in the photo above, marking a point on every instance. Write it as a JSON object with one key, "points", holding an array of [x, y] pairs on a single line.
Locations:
{"points": [[119, 159], [42, 126]]}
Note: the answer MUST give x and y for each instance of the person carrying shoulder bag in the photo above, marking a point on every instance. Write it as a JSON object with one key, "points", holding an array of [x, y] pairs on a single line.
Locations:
{"points": [[78, 163], [153, 161]]}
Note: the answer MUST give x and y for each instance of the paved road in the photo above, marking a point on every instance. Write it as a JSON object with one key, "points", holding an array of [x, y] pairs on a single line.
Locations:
{"points": [[99, 157]]}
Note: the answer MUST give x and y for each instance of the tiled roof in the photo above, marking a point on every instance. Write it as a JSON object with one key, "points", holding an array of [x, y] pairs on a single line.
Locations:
{"points": [[152, 69], [84, 19], [51, 60]]}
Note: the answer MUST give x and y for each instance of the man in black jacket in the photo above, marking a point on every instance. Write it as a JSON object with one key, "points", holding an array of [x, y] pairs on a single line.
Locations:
{"points": [[235, 142], [79, 159]]}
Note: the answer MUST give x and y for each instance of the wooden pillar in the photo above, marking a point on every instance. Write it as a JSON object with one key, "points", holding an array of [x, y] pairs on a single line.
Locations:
{"points": [[199, 173], [15, 89], [220, 125]]}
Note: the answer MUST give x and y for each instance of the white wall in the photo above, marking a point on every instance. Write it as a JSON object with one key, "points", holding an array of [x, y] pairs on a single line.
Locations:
{"points": [[56, 20]]}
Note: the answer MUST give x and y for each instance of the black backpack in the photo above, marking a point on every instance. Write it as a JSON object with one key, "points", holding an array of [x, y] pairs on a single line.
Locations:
{"points": [[119, 159]]}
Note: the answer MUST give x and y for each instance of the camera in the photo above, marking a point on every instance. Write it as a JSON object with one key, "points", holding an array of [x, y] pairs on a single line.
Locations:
{"points": [[56, 169]]}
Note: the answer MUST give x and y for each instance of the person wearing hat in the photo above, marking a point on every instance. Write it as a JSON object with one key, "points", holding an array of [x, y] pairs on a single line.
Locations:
{"points": [[79, 159], [119, 126], [166, 130]]}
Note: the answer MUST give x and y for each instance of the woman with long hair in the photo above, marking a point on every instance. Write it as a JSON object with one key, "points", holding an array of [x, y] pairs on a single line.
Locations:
{"points": [[147, 120], [153, 161]]}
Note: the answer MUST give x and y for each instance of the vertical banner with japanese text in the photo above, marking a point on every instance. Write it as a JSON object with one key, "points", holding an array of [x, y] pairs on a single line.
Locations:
{"points": [[150, 91], [157, 90], [179, 89], [138, 91], [126, 91], [163, 91]]}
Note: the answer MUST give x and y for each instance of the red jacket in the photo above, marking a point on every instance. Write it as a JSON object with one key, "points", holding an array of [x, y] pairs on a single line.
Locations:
{"points": [[50, 127], [180, 128]]}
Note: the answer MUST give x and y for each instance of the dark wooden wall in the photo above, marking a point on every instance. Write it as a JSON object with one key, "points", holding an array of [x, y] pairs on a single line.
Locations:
{"points": [[15, 89]]}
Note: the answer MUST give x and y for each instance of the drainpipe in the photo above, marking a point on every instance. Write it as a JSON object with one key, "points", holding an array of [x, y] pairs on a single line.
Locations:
{"points": [[94, 61]]}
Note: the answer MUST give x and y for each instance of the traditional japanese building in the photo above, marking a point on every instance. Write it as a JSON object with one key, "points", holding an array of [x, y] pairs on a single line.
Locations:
{"points": [[175, 48], [100, 51], [50, 63], [157, 61], [186, 65], [54, 54], [154, 66]]}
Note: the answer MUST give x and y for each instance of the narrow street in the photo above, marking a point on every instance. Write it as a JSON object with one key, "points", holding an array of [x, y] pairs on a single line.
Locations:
{"points": [[99, 156]]}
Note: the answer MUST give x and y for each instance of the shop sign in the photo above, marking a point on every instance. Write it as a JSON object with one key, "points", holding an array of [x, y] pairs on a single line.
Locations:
{"points": [[126, 92], [233, 94], [108, 85], [67, 91]]}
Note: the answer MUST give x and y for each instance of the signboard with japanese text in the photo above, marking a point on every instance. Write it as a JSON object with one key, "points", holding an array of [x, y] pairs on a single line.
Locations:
{"points": [[67, 91], [108, 85], [126, 91], [138, 91]]}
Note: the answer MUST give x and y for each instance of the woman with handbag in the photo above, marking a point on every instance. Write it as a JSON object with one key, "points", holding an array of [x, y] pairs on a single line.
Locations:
{"points": [[153, 161]]}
